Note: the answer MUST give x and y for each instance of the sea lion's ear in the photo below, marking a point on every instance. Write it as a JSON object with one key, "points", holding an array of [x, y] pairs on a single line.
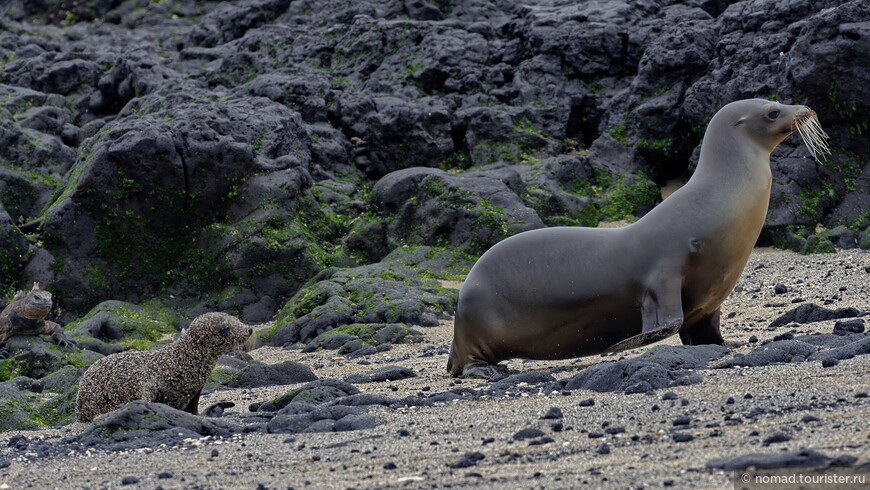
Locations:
{"points": [[740, 121]]}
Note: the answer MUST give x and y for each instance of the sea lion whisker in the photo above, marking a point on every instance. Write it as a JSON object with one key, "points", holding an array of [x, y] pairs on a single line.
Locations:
{"points": [[813, 136]]}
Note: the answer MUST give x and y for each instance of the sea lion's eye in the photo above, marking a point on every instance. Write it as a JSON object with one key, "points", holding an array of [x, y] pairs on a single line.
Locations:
{"points": [[773, 114]]}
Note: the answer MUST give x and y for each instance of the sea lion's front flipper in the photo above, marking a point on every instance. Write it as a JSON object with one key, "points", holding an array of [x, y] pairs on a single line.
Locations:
{"points": [[661, 311], [193, 404], [645, 338]]}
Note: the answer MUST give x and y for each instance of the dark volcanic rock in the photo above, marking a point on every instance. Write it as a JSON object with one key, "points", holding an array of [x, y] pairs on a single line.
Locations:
{"points": [[809, 312], [148, 424], [472, 211], [803, 457], [629, 376], [778, 351], [228, 152], [310, 418], [389, 296], [674, 357], [386, 373], [468, 459], [260, 374], [315, 392], [849, 327]]}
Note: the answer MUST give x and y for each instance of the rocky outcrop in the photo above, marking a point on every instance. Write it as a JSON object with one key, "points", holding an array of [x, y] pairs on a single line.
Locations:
{"points": [[225, 153]]}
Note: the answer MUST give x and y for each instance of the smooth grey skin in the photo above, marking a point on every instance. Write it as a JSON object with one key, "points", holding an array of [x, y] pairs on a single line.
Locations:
{"points": [[564, 292]]}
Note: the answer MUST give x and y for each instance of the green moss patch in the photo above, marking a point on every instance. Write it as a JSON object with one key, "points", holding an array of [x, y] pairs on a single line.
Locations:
{"points": [[126, 324]]}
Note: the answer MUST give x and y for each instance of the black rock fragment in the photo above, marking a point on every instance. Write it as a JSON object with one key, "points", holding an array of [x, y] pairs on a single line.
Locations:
{"points": [[468, 460], [552, 414]]}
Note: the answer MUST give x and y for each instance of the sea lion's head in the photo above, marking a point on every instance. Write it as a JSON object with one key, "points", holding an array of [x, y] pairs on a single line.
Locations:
{"points": [[768, 123], [218, 332]]}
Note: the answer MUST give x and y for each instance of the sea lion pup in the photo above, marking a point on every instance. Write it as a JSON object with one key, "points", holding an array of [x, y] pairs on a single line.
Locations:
{"points": [[564, 292], [25, 315], [173, 374]]}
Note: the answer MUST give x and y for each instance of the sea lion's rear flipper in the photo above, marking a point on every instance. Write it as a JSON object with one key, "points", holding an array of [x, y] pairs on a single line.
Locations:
{"points": [[645, 338], [491, 372]]}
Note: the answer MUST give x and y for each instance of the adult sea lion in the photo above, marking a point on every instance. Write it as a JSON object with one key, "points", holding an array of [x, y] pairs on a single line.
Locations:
{"points": [[563, 292]]}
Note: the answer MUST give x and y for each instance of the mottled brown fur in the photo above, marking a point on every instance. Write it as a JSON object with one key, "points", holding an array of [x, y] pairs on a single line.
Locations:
{"points": [[174, 374]]}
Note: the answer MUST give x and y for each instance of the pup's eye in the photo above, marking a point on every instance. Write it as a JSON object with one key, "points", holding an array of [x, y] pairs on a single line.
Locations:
{"points": [[773, 114]]}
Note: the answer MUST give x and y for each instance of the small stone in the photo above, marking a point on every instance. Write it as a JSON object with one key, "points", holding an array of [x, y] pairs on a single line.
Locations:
{"points": [[809, 418], [468, 460], [730, 400], [603, 448], [670, 395], [826, 363], [553, 413], [595, 435], [541, 441], [556, 427], [682, 437], [780, 289], [587, 402], [682, 420], [403, 433], [798, 300], [776, 438], [389, 465], [753, 339], [214, 453], [129, 480], [528, 433]]}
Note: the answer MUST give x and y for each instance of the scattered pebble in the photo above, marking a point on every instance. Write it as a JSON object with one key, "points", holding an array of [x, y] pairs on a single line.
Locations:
{"points": [[776, 438], [682, 437], [527, 433], [552, 413]]}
